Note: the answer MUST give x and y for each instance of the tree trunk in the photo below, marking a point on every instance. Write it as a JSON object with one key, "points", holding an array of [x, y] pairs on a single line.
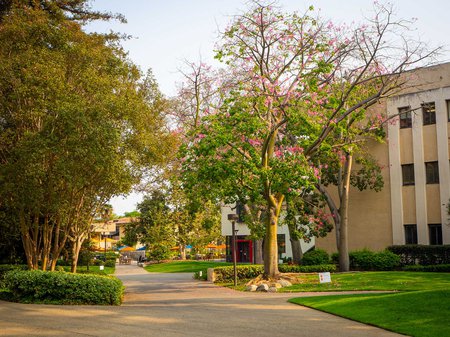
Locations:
{"points": [[271, 249], [258, 259], [297, 253], [334, 211], [76, 247], [182, 252], [344, 261]]}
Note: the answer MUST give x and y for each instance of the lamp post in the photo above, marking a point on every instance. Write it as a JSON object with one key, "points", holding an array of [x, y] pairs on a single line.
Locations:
{"points": [[233, 218], [104, 235]]}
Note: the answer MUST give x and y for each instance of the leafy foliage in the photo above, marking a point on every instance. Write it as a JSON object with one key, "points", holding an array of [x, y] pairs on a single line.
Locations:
{"points": [[59, 287], [368, 260], [225, 274], [78, 125], [315, 257], [422, 254]]}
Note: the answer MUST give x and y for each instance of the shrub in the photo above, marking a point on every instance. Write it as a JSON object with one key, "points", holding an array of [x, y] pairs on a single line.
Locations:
{"points": [[225, 274], [315, 257], [368, 260], [110, 263], [307, 269], [438, 268], [422, 254], [5, 268], [65, 288], [159, 252]]}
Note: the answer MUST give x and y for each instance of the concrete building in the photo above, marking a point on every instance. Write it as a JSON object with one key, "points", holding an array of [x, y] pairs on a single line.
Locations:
{"points": [[412, 206]]}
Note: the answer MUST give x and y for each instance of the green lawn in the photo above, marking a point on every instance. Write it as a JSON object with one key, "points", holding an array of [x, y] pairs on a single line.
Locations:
{"points": [[184, 266], [401, 281], [421, 309]]}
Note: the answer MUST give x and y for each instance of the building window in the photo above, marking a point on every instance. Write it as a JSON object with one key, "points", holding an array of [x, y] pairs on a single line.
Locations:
{"points": [[281, 238], [410, 234], [405, 117], [429, 113], [432, 171], [408, 174], [447, 102], [435, 234]]}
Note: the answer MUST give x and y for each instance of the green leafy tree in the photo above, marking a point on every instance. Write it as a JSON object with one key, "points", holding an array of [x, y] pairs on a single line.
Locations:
{"points": [[78, 126], [298, 80]]}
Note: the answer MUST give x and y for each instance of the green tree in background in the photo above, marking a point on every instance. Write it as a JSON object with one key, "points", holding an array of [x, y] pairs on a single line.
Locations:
{"points": [[78, 124]]}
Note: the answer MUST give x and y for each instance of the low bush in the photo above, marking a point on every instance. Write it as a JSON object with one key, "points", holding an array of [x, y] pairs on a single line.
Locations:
{"points": [[321, 268], [110, 263], [437, 268], [315, 257], [5, 268], [422, 254], [159, 252], [368, 260], [225, 274], [63, 288]]}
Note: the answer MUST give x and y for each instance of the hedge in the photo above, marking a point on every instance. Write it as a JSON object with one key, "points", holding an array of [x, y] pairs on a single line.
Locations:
{"points": [[321, 268], [315, 257], [225, 274], [438, 268], [4, 268], [422, 254], [368, 260], [63, 288]]}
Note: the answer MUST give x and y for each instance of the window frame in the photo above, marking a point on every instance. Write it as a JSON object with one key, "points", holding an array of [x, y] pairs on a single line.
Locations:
{"points": [[447, 104], [434, 179], [409, 182], [410, 231], [405, 117], [429, 113], [436, 238]]}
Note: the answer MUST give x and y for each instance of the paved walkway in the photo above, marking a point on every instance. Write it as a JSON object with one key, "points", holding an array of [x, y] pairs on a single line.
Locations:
{"points": [[175, 305]]}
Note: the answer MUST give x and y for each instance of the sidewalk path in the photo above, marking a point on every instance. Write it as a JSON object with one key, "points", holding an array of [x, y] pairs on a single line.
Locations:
{"points": [[175, 305]]}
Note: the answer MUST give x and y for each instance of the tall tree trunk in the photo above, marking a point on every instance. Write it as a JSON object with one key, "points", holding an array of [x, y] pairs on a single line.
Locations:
{"points": [[271, 243], [182, 252], [271, 248], [334, 211], [258, 259], [76, 247], [344, 261], [297, 253]]}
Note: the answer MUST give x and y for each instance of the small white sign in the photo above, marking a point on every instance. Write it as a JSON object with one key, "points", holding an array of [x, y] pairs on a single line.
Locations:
{"points": [[102, 267], [325, 277]]}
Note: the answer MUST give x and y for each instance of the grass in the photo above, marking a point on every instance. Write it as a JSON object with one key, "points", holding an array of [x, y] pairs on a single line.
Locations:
{"points": [[399, 281], [184, 266], [418, 313], [421, 309]]}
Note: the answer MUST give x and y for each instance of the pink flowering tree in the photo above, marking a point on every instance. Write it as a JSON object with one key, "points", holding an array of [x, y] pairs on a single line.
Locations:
{"points": [[299, 81]]}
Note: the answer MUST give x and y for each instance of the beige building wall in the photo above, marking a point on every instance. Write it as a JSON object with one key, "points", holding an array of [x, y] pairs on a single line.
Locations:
{"points": [[376, 220]]}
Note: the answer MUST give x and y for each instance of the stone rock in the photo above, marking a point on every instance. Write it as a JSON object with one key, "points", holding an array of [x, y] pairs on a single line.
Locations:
{"points": [[251, 287], [263, 287], [284, 283], [272, 290]]}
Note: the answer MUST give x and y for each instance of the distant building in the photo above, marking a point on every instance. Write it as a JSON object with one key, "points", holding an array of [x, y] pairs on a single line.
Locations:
{"points": [[412, 207]]}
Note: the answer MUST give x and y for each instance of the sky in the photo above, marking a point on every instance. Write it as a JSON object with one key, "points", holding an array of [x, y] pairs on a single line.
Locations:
{"points": [[166, 32]]}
